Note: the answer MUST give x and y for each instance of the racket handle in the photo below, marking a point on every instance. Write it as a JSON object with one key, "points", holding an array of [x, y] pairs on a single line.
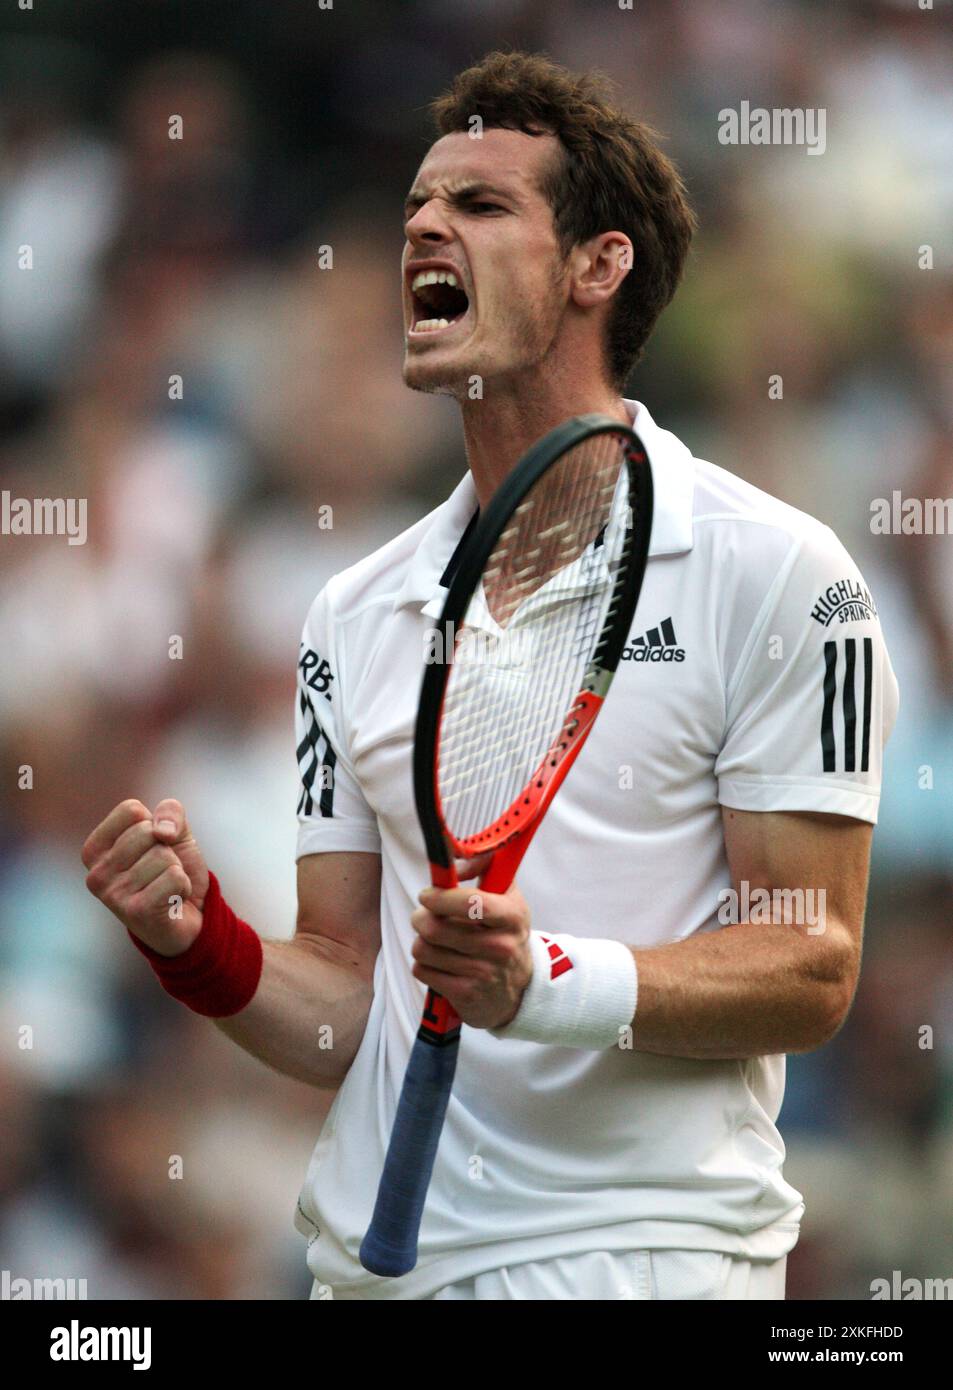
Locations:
{"points": [[390, 1245]]}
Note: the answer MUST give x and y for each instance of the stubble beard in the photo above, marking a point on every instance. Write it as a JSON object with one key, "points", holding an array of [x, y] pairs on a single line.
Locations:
{"points": [[451, 381]]}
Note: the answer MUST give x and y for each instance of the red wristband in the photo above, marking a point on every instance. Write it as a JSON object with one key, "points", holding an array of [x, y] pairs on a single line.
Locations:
{"points": [[219, 973]]}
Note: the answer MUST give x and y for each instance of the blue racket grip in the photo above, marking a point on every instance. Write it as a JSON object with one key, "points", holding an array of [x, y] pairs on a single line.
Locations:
{"points": [[390, 1245]]}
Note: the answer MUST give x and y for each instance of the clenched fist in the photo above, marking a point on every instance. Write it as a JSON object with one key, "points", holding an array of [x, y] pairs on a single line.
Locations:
{"points": [[140, 865]]}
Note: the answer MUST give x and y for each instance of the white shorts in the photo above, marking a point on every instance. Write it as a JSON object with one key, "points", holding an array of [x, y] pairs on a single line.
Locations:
{"points": [[636, 1275]]}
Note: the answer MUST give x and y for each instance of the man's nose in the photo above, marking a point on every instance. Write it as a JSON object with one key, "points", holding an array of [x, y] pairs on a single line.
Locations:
{"points": [[427, 226]]}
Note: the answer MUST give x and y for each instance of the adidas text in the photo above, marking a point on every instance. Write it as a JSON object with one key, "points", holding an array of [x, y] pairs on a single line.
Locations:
{"points": [[653, 654]]}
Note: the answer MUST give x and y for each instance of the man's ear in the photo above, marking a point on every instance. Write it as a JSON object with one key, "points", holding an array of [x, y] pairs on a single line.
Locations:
{"points": [[598, 267]]}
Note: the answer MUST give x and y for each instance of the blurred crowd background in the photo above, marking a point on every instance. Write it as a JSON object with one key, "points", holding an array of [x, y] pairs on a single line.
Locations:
{"points": [[201, 259]]}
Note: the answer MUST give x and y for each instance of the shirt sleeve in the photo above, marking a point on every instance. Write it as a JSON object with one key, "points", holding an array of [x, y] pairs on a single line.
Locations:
{"points": [[814, 697], [332, 811]]}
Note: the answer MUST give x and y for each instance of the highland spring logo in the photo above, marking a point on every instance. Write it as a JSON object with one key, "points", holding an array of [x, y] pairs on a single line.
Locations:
{"points": [[779, 126]]}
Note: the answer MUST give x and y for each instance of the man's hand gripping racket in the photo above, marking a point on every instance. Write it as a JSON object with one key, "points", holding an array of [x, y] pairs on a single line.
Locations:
{"points": [[533, 626]]}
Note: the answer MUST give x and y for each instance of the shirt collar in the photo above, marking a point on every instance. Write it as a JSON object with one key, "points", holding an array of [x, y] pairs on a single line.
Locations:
{"points": [[673, 477]]}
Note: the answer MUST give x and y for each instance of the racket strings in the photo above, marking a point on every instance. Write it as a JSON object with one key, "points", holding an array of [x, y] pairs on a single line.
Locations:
{"points": [[554, 570], [553, 522], [469, 756]]}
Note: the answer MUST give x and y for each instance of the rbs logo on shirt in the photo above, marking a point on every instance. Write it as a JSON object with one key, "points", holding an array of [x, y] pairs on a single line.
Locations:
{"points": [[315, 671]]}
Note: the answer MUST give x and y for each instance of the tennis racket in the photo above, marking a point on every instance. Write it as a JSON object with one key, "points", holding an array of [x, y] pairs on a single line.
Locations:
{"points": [[532, 629]]}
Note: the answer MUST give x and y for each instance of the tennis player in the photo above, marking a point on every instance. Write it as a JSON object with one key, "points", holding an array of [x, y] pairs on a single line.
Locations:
{"points": [[705, 866]]}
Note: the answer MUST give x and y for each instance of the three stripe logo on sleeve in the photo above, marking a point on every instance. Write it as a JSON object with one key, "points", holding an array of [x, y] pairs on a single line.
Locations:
{"points": [[853, 683]]}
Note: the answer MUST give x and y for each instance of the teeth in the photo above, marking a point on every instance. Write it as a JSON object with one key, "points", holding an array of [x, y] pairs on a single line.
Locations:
{"points": [[428, 325], [434, 277]]}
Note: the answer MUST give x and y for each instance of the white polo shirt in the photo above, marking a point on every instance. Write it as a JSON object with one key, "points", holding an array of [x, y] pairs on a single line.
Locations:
{"points": [[755, 677]]}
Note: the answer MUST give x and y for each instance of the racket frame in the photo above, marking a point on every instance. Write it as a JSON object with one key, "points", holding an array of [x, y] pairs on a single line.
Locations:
{"points": [[529, 807], [390, 1246]]}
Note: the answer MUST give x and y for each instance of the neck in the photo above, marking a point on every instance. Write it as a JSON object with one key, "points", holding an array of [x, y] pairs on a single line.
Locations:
{"points": [[499, 429]]}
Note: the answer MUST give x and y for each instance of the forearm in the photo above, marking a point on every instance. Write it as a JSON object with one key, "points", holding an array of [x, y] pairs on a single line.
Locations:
{"points": [[309, 1012], [746, 990]]}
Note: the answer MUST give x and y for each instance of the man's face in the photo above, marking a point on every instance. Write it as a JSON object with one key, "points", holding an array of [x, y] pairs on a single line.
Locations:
{"points": [[476, 214]]}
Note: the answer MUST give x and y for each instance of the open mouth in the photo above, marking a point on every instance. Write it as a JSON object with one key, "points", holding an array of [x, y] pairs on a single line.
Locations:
{"points": [[439, 301]]}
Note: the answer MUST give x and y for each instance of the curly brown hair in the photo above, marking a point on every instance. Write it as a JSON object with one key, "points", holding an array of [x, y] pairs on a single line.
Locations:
{"points": [[612, 176]]}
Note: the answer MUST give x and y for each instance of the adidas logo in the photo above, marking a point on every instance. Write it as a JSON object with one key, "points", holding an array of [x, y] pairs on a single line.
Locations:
{"points": [[658, 644], [560, 962]]}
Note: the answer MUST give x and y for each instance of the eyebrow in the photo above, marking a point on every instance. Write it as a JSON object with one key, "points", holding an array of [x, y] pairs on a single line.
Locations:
{"points": [[465, 193]]}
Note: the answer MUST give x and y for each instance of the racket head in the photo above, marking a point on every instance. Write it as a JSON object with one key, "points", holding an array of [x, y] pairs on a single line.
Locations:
{"points": [[486, 763]]}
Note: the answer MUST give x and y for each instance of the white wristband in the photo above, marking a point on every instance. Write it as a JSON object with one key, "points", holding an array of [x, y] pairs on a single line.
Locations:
{"points": [[582, 993]]}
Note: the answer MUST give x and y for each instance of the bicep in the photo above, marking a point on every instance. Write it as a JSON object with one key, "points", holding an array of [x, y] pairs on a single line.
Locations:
{"points": [[339, 902], [804, 850]]}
